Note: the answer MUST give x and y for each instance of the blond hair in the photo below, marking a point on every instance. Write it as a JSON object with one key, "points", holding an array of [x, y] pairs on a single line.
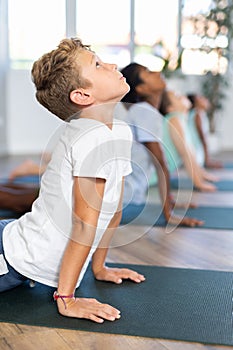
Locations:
{"points": [[56, 74]]}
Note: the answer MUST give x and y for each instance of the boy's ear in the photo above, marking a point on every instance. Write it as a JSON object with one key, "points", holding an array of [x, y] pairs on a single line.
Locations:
{"points": [[81, 97]]}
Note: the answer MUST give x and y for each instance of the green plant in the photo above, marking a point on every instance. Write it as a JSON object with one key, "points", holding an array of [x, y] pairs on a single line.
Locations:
{"points": [[217, 24], [214, 88], [215, 30]]}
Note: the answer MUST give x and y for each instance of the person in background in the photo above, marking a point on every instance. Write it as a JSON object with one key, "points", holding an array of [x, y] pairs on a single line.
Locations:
{"points": [[142, 102], [174, 108], [198, 124], [19, 197]]}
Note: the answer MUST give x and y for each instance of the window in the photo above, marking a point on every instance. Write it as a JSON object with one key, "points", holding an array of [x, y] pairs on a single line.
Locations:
{"points": [[156, 32], [37, 26], [203, 39], [34, 27], [105, 25]]}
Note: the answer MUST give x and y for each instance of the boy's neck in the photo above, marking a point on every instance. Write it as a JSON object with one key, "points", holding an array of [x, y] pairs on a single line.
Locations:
{"points": [[102, 113]]}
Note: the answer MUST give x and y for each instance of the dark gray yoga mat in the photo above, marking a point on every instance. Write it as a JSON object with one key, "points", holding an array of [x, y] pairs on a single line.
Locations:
{"points": [[173, 303]]}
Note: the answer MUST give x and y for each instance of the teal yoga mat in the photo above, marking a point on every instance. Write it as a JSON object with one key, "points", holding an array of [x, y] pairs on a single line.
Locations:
{"points": [[213, 217], [173, 303], [186, 184]]}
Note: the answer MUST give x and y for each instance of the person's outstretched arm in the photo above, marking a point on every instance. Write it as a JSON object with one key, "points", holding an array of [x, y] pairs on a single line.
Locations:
{"points": [[190, 163], [102, 272], [208, 162], [198, 124], [160, 164], [88, 195]]}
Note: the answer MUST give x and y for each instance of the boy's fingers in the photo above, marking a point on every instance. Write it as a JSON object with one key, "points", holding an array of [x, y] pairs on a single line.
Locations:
{"points": [[107, 312], [96, 319], [133, 275], [107, 316], [108, 309], [138, 278], [97, 312]]}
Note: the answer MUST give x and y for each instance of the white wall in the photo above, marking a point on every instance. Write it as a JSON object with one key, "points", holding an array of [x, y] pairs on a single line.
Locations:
{"points": [[3, 74], [225, 121], [29, 125]]}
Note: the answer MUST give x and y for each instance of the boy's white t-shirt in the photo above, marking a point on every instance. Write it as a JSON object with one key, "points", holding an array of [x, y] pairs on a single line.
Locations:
{"points": [[147, 126], [34, 244]]}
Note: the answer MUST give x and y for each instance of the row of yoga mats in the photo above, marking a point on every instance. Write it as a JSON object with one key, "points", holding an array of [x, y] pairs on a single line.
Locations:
{"points": [[217, 218], [173, 303], [213, 217]]}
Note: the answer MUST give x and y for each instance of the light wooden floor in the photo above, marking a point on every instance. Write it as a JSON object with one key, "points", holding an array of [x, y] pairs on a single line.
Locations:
{"points": [[184, 247]]}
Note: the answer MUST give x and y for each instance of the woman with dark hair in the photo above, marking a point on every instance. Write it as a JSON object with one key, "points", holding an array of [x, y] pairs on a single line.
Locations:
{"points": [[142, 102]]}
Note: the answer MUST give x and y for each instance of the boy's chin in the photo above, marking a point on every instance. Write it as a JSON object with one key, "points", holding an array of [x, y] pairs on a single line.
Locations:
{"points": [[126, 90]]}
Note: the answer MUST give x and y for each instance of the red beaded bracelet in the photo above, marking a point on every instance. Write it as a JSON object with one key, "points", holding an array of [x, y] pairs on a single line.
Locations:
{"points": [[56, 296]]}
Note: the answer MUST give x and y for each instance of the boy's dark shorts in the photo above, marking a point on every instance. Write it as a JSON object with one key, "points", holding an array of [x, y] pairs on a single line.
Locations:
{"points": [[12, 278]]}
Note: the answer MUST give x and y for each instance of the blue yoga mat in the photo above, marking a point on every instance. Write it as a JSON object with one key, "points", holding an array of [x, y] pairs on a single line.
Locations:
{"points": [[173, 303], [8, 214], [31, 179], [228, 165], [213, 217], [186, 184]]}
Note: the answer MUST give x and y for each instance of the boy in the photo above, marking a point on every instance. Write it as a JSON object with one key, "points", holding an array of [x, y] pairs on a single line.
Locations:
{"points": [[79, 205]]}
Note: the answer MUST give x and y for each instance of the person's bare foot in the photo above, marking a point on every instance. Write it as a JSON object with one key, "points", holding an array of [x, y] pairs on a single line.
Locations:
{"points": [[28, 167]]}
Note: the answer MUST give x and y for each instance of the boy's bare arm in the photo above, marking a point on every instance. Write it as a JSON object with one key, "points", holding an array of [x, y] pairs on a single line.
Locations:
{"points": [[103, 273], [88, 195]]}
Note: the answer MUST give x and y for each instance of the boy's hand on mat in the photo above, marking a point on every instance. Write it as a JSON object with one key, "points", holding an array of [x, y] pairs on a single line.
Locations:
{"points": [[117, 275], [88, 308], [185, 221]]}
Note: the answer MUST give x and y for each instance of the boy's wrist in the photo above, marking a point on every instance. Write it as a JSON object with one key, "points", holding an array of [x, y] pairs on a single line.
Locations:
{"points": [[63, 300], [97, 268]]}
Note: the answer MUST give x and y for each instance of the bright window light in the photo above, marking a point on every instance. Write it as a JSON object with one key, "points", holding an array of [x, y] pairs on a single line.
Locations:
{"points": [[35, 27]]}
